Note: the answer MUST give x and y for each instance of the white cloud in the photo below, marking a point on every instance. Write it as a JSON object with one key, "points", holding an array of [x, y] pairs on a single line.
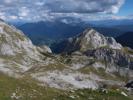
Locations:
{"points": [[24, 11], [8, 1], [39, 3], [51, 9], [84, 6], [13, 17]]}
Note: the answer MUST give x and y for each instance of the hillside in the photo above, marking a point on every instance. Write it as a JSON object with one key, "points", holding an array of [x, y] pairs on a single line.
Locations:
{"points": [[90, 66], [27, 89]]}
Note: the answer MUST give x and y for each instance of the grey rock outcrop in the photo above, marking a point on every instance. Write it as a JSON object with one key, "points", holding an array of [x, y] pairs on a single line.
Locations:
{"points": [[101, 49], [17, 53], [44, 49], [90, 39]]}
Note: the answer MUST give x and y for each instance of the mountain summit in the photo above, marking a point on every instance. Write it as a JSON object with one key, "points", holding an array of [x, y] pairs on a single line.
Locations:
{"points": [[89, 39]]}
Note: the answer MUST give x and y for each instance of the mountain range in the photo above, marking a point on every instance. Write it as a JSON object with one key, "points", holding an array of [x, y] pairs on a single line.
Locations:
{"points": [[126, 39], [89, 66], [49, 32]]}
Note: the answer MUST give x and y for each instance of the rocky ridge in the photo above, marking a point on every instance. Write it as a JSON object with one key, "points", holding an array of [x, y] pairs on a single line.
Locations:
{"points": [[90, 60], [17, 53], [90, 39]]}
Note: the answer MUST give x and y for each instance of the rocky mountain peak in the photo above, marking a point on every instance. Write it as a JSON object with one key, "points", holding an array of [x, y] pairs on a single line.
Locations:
{"points": [[16, 49], [90, 39], [13, 41]]}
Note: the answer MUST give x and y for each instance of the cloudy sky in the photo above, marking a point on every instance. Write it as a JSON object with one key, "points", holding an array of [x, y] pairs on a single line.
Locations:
{"points": [[36, 10]]}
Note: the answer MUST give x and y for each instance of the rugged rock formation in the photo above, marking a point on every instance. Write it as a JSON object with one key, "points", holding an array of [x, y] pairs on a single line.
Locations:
{"points": [[118, 59], [110, 56], [44, 49], [90, 58], [17, 53], [89, 39], [102, 49], [93, 60]]}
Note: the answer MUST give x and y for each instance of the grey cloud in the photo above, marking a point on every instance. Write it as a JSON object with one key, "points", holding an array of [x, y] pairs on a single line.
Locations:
{"points": [[84, 6], [50, 9]]}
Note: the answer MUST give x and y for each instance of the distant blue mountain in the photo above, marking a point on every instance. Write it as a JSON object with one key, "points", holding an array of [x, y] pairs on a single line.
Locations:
{"points": [[124, 28], [48, 32], [126, 39], [112, 23], [40, 32]]}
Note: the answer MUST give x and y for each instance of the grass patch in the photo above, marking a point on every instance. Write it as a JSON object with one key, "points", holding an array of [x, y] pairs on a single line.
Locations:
{"points": [[27, 89], [87, 94]]}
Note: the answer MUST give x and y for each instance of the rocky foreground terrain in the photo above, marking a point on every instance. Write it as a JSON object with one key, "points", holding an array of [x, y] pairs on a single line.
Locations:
{"points": [[89, 66]]}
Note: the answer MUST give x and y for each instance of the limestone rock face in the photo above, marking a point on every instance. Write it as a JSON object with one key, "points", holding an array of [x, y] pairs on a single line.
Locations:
{"points": [[44, 49], [16, 50], [13, 42], [101, 49], [89, 39], [111, 57]]}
